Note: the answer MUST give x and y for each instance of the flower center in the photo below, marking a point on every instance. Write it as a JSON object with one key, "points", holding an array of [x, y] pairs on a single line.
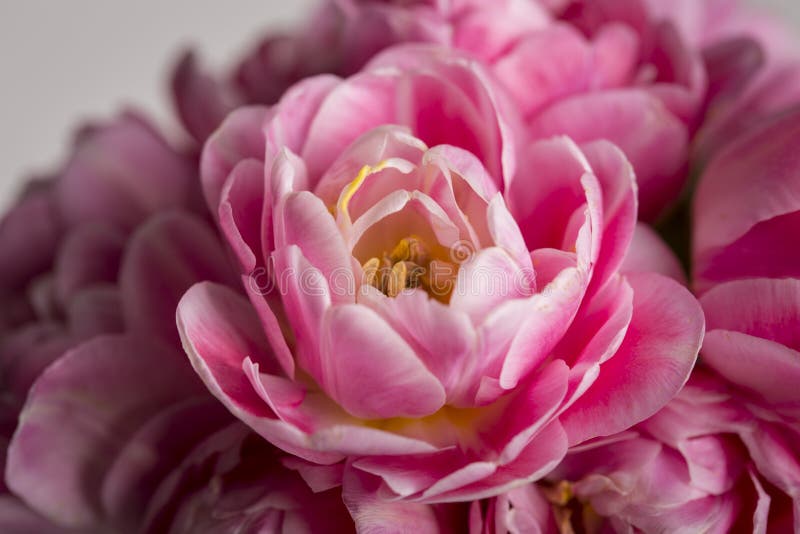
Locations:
{"points": [[571, 514], [410, 265]]}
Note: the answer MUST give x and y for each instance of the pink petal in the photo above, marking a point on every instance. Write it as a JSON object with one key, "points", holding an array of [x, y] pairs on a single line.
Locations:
{"points": [[752, 178], [131, 171], [219, 330], [373, 514], [241, 211], [165, 257], [239, 137], [154, 450], [395, 384], [768, 369], [441, 336], [89, 254], [618, 185], [29, 235], [651, 365], [308, 224], [648, 253], [653, 139], [759, 307], [200, 100], [90, 403]]}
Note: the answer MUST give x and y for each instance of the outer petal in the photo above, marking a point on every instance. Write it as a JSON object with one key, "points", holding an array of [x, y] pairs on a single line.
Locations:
{"points": [[651, 365], [165, 258], [648, 253], [153, 451], [89, 254], [756, 179], [17, 518], [760, 307], [220, 330], [200, 100], [29, 235], [239, 137], [129, 169], [371, 513], [90, 403], [654, 140]]}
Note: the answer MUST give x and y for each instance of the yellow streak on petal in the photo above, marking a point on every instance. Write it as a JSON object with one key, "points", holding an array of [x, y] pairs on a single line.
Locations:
{"points": [[352, 188]]}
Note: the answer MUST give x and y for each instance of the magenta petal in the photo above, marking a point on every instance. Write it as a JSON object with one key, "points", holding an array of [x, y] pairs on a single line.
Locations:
{"points": [[651, 365], [200, 100], [90, 254], [752, 178], [17, 518], [371, 371], [24, 355], [131, 172], [166, 257], [29, 235], [94, 311], [768, 369], [89, 403], [153, 451], [760, 307]]}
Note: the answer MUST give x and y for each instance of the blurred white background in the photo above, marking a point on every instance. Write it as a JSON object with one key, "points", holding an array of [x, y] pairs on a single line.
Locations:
{"points": [[62, 62]]}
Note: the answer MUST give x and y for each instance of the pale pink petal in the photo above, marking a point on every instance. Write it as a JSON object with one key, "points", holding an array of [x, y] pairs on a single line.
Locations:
{"points": [[241, 213], [220, 330], [239, 137], [371, 371]]}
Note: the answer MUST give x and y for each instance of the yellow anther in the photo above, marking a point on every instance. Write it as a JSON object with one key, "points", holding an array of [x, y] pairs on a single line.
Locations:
{"points": [[372, 274], [410, 249], [398, 279]]}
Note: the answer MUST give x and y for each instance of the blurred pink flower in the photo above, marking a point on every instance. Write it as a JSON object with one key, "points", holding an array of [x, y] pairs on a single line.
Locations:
{"points": [[443, 338], [615, 72], [234, 481], [94, 260], [704, 463], [747, 205]]}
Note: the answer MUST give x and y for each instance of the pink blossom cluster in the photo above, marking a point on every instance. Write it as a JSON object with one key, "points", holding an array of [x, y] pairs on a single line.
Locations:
{"points": [[423, 266]]}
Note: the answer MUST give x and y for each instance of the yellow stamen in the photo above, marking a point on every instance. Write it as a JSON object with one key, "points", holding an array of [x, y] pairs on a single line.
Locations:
{"points": [[398, 279], [372, 275]]}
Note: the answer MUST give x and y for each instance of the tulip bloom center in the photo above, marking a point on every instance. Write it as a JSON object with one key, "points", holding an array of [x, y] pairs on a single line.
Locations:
{"points": [[410, 265]]}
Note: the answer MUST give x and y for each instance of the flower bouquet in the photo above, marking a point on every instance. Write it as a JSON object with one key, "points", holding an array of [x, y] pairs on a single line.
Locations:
{"points": [[423, 266]]}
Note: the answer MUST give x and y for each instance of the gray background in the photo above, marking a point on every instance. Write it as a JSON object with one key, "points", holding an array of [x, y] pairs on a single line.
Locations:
{"points": [[63, 61]]}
